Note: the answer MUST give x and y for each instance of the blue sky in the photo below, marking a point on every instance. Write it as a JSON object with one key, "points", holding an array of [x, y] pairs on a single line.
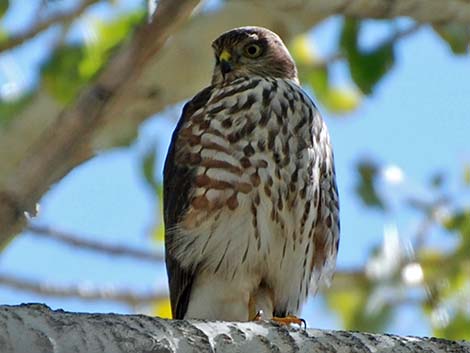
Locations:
{"points": [[416, 119]]}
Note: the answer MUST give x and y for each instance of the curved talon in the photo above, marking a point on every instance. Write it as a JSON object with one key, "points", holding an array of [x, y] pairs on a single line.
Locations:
{"points": [[290, 319]]}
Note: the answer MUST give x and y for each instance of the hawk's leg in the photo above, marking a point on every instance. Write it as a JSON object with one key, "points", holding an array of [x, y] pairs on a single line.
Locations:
{"points": [[257, 317], [215, 298], [260, 305]]}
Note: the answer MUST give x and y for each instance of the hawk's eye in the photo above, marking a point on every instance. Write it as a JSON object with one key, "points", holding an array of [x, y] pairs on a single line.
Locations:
{"points": [[252, 50]]}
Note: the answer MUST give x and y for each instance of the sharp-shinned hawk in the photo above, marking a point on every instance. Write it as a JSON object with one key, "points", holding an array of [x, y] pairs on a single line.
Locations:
{"points": [[250, 199]]}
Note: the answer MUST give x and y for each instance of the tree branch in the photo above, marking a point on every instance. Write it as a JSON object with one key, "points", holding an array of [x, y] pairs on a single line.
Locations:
{"points": [[19, 39], [88, 244], [66, 141], [430, 11], [82, 292], [35, 327]]}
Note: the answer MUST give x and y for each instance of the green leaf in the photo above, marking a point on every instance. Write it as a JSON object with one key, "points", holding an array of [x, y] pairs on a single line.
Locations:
{"points": [[342, 100], [8, 109], [72, 66], [319, 81], [158, 232], [428, 258], [365, 188], [148, 168], [456, 35], [351, 302], [148, 171], [162, 308], [337, 100], [460, 222], [466, 174], [4, 5], [457, 329], [437, 180], [302, 50], [366, 67], [447, 280], [109, 35], [316, 75], [60, 75]]}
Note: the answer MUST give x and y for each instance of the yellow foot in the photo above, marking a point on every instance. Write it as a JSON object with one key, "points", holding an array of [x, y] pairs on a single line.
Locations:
{"points": [[290, 319]]}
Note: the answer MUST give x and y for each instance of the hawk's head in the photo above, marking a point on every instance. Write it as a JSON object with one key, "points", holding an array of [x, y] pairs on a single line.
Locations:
{"points": [[248, 51]]}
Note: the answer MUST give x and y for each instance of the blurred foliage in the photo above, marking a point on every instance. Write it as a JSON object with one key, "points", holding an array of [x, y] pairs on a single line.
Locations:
{"points": [[109, 35], [367, 67], [315, 74], [148, 161], [466, 174], [434, 279], [60, 74], [70, 67], [366, 187], [148, 168], [456, 329], [162, 308], [459, 222], [457, 36], [4, 4], [8, 109], [158, 233], [349, 301]]}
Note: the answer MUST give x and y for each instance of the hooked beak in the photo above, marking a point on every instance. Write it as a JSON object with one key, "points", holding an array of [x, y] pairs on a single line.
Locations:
{"points": [[225, 62]]}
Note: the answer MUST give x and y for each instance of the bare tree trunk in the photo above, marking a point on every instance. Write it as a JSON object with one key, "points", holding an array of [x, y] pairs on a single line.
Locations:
{"points": [[36, 328]]}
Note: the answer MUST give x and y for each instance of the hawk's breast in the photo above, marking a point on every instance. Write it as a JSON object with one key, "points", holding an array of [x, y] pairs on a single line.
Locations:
{"points": [[255, 151]]}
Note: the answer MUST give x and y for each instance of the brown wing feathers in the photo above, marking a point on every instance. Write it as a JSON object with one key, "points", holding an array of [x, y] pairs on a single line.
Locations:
{"points": [[178, 181]]}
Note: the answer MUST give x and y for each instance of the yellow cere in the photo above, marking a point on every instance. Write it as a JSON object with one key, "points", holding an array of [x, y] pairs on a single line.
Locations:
{"points": [[225, 56]]}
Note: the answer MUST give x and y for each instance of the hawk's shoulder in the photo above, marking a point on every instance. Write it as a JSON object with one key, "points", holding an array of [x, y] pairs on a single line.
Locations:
{"points": [[174, 176]]}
